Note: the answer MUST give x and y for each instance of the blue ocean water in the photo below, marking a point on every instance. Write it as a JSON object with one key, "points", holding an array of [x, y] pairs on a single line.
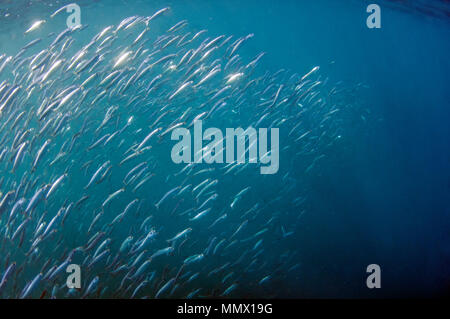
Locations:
{"points": [[369, 185]]}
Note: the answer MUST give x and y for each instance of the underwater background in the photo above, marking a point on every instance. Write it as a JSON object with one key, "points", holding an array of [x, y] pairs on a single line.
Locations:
{"points": [[369, 186]]}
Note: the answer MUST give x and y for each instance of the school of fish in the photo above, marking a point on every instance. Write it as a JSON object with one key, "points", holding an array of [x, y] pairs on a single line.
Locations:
{"points": [[87, 177]]}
